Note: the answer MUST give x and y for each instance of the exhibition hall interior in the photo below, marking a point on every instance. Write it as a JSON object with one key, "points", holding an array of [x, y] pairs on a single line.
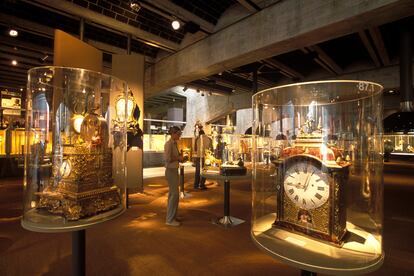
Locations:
{"points": [[219, 137]]}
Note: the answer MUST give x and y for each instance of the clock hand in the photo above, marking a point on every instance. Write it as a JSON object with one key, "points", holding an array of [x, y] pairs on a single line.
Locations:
{"points": [[307, 182], [297, 186]]}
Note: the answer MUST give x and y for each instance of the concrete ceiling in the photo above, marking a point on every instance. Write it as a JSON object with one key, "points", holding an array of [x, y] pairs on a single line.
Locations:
{"points": [[361, 39]]}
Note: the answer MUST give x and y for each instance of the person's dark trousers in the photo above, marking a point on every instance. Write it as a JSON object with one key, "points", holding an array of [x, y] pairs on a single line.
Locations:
{"points": [[197, 172], [199, 182]]}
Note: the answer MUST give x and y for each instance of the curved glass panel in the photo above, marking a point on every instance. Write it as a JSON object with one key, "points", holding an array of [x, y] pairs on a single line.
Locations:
{"points": [[75, 153], [317, 181]]}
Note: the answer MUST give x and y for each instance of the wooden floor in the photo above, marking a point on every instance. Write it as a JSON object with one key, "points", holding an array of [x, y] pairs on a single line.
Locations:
{"points": [[139, 243]]}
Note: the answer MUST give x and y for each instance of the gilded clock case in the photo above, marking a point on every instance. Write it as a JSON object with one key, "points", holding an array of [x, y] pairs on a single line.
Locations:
{"points": [[77, 179]]}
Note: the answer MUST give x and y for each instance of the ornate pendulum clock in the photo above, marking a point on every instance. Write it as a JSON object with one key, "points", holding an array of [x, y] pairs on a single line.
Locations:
{"points": [[311, 183]]}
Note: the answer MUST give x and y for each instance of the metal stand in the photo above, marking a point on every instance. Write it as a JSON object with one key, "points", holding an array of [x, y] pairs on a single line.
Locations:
{"points": [[183, 194], [78, 253], [227, 220], [307, 273]]}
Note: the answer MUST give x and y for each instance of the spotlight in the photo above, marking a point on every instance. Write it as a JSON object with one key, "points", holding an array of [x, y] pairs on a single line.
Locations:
{"points": [[14, 62], [13, 33], [202, 94], [198, 90], [210, 93], [185, 88], [134, 5], [175, 24], [233, 90]]}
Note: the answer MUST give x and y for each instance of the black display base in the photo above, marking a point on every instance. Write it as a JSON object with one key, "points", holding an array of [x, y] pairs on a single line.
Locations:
{"points": [[307, 273], [78, 253]]}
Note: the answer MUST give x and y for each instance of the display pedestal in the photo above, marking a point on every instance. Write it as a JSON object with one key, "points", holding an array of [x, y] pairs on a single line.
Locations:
{"points": [[360, 253], [226, 220], [78, 253], [183, 194]]}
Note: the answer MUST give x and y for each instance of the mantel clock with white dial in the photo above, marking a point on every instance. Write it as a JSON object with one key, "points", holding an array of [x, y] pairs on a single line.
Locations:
{"points": [[311, 192]]}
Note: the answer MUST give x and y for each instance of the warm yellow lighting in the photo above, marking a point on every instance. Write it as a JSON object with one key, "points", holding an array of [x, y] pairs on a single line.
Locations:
{"points": [[175, 24], [155, 185], [13, 33], [14, 62]]}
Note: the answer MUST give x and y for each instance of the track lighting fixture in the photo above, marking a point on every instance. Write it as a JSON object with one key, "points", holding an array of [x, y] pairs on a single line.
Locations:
{"points": [[175, 24], [13, 32], [134, 5]]}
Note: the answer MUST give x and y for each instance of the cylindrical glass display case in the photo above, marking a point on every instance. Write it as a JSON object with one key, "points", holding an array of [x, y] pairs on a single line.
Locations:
{"points": [[75, 149], [318, 196]]}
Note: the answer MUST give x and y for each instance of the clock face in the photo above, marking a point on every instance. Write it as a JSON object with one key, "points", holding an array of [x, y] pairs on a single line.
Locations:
{"points": [[65, 168], [306, 185]]}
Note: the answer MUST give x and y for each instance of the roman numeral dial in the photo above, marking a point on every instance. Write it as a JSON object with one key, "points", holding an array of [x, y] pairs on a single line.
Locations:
{"points": [[306, 185]]}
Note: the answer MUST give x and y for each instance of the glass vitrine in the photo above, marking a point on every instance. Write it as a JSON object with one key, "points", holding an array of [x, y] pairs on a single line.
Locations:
{"points": [[75, 149], [399, 144], [317, 182]]}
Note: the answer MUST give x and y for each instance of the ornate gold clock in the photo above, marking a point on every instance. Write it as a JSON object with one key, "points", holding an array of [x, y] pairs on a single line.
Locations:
{"points": [[311, 183]]}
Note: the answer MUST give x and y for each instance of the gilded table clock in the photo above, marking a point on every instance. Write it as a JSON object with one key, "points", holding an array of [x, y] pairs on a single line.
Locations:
{"points": [[311, 183]]}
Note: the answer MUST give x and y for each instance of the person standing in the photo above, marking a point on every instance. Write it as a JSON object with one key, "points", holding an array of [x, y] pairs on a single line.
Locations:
{"points": [[172, 157], [202, 143]]}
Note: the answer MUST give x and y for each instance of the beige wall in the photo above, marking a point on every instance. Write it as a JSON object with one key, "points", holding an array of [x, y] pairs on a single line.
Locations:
{"points": [[69, 51]]}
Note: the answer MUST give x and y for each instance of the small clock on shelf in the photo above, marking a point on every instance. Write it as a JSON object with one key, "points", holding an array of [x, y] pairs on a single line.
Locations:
{"points": [[311, 183]]}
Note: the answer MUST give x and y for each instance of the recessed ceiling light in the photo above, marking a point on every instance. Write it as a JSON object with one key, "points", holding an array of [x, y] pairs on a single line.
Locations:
{"points": [[175, 24], [134, 5], [14, 62], [13, 33]]}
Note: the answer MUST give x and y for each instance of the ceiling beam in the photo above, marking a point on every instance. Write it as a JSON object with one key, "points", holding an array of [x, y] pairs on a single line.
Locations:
{"points": [[49, 32], [21, 52], [183, 13], [249, 5], [13, 78], [260, 80], [25, 60], [380, 45], [33, 27], [149, 38], [364, 38], [25, 45], [324, 57], [292, 73], [21, 66], [13, 74], [110, 49], [259, 37], [203, 85], [10, 68]]}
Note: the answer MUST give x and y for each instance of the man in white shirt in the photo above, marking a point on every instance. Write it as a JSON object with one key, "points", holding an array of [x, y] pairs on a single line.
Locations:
{"points": [[202, 143]]}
